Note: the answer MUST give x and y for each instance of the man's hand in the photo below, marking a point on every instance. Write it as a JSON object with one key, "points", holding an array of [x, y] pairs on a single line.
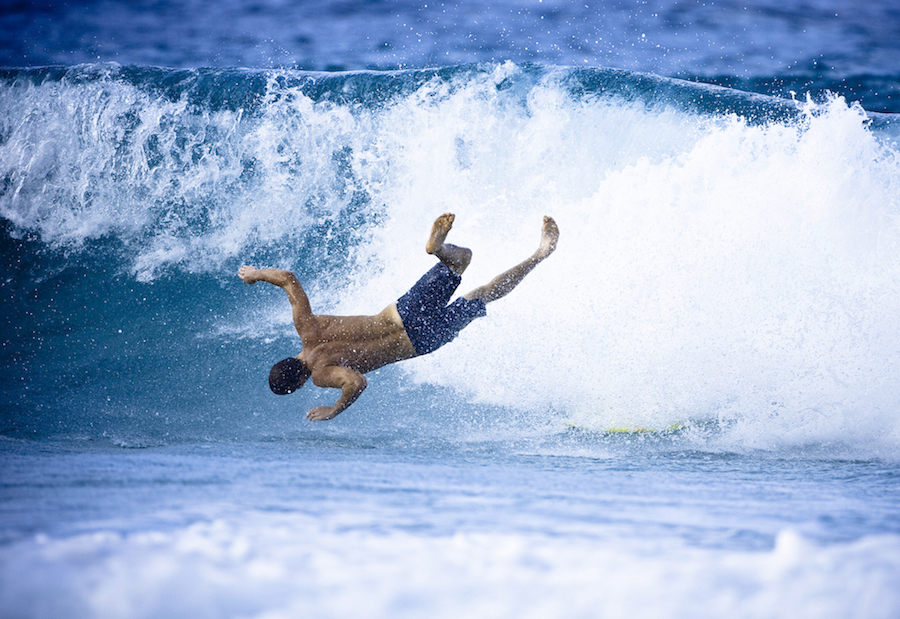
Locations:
{"points": [[350, 382], [322, 413], [247, 274]]}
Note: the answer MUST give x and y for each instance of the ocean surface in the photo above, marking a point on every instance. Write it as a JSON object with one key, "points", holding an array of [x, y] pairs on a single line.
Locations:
{"points": [[692, 409]]}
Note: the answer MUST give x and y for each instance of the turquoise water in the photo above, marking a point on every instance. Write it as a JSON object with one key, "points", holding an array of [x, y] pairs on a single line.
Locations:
{"points": [[689, 410]]}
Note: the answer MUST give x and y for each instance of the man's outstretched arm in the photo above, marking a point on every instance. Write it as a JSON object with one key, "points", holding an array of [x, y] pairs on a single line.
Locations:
{"points": [[351, 384], [287, 281]]}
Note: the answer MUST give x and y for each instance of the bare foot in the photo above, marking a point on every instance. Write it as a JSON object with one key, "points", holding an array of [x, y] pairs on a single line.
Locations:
{"points": [[457, 258], [549, 238], [439, 231], [247, 274]]}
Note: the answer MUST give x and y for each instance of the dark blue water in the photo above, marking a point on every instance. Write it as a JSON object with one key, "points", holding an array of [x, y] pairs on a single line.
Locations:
{"points": [[689, 410], [762, 46]]}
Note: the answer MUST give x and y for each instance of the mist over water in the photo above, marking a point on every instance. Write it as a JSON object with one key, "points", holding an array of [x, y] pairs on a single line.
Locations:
{"points": [[715, 269]]}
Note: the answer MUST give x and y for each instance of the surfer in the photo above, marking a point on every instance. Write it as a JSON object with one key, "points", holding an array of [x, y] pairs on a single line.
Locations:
{"points": [[338, 350]]}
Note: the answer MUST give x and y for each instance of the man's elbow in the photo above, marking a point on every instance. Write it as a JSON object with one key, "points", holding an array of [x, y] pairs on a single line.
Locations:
{"points": [[287, 278], [360, 384]]}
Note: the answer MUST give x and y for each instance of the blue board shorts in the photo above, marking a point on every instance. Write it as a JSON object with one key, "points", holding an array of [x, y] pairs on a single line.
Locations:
{"points": [[428, 319]]}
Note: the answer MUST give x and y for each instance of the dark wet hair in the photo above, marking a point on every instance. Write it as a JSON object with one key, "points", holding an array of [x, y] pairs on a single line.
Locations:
{"points": [[287, 376]]}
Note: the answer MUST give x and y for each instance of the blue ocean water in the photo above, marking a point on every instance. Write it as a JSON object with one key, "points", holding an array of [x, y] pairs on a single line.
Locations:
{"points": [[689, 410]]}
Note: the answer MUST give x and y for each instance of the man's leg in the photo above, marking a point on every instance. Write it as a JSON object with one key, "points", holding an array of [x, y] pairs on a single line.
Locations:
{"points": [[457, 258], [503, 284]]}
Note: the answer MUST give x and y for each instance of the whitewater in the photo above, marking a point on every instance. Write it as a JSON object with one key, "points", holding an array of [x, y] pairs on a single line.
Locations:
{"points": [[689, 410]]}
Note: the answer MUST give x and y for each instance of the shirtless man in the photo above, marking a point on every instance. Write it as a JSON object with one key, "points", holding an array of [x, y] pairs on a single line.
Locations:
{"points": [[338, 350]]}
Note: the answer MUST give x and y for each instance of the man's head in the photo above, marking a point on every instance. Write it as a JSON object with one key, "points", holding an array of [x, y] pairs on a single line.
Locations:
{"points": [[288, 375]]}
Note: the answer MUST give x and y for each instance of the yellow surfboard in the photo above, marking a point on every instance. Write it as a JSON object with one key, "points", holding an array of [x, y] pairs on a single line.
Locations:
{"points": [[627, 429]]}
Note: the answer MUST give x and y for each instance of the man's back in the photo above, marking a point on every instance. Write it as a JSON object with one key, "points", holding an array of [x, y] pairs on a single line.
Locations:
{"points": [[361, 343]]}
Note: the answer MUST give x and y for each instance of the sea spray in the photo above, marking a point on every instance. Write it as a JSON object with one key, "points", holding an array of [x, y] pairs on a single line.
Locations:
{"points": [[724, 259], [735, 273]]}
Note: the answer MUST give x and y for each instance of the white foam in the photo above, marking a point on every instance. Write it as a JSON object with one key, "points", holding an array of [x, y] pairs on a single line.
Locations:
{"points": [[707, 269], [286, 566]]}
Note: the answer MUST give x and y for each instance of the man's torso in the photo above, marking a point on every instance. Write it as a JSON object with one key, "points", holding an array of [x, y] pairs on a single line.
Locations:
{"points": [[361, 343]]}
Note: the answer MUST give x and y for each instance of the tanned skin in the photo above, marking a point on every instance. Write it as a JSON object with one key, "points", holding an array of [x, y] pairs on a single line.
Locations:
{"points": [[339, 350]]}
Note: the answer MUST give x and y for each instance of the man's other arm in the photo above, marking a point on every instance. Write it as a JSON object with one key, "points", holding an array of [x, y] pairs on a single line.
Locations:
{"points": [[351, 384]]}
